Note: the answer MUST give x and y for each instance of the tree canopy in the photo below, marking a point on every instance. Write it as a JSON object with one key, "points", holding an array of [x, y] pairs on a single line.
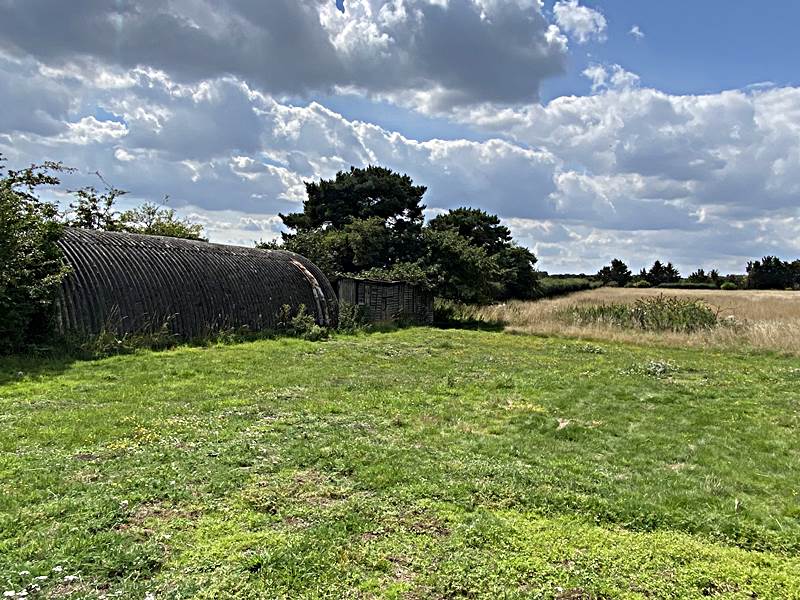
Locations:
{"points": [[93, 209], [477, 226], [660, 273], [773, 273], [369, 222], [358, 194], [617, 272]]}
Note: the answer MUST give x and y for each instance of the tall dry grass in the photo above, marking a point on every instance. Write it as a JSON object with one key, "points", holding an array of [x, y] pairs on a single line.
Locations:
{"points": [[758, 320]]}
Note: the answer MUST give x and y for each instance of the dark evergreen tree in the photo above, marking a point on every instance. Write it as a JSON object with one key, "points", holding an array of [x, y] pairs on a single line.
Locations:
{"points": [[617, 272], [479, 227]]}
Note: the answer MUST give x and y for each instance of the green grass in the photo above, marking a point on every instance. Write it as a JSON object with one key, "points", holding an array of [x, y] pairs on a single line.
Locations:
{"points": [[415, 464]]}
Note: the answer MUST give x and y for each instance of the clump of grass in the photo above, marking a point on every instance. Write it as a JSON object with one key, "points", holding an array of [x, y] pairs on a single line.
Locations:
{"points": [[660, 313], [454, 314], [452, 311], [590, 349], [653, 368]]}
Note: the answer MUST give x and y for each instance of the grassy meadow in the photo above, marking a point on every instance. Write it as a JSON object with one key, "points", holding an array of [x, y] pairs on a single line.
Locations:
{"points": [[420, 463], [764, 320]]}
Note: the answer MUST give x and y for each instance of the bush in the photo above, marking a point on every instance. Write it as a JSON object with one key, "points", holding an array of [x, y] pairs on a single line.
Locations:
{"points": [[352, 317], [661, 313], [301, 324], [451, 311], [729, 285], [550, 287], [31, 265], [639, 284], [687, 285]]}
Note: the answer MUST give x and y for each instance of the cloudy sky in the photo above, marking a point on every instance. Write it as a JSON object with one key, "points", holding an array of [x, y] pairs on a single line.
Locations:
{"points": [[595, 128]]}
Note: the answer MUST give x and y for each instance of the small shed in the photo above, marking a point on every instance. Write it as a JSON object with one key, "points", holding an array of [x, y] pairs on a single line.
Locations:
{"points": [[388, 300]]}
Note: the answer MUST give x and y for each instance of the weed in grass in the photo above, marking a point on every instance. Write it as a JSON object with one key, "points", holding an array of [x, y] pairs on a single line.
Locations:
{"points": [[590, 349], [653, 368]]}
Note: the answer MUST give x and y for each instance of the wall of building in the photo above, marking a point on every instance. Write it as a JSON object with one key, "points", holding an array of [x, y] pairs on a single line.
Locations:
{"points": [[388, 301]]}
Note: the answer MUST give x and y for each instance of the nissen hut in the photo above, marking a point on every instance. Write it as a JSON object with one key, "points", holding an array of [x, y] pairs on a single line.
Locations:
{"points": [[129, 283]]}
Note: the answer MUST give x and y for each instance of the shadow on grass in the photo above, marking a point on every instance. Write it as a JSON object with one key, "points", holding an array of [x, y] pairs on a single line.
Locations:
{"points": [[472, 324], [52, 361], [23, 366]]}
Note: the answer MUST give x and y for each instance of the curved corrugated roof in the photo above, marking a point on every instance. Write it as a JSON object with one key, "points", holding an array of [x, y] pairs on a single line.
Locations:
{"points": [[126, 283]]}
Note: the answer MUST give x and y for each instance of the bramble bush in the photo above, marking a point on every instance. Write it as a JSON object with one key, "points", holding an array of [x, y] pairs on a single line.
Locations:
{"points": [[31, 265]]}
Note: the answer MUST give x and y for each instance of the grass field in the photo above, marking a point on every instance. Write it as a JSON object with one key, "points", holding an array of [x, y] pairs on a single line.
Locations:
{"points": [[757, 319], [416, 464]]}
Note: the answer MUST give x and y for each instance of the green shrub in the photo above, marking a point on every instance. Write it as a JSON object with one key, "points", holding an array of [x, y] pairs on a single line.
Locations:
{"points": [[352, 317], [661, 313], [301, 324], [641, 283], [687, 285], [729, 285], [31, 265], [451, 311], [550, 287], [109, 343]]}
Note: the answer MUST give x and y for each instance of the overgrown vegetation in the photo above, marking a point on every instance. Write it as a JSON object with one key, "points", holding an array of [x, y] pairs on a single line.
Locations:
{"points": [[369, 223], [93, 209], [31, 266], [421, 463], [550, 287], [687, 285], [660, 313]]}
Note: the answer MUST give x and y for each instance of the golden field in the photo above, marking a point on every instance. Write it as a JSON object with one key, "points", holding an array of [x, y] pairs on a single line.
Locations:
{"points": [[757, 319]]}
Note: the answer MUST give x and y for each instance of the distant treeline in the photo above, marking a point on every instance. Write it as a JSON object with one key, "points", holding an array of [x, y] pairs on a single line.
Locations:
{"points": [[769, 273]]}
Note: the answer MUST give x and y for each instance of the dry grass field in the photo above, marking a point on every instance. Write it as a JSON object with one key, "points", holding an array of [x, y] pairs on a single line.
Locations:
{"points": [[754, 319]]}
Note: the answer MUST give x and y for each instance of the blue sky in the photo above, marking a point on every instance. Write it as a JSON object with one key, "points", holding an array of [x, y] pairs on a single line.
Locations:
{"points": [[680, 143], [695, 47]]}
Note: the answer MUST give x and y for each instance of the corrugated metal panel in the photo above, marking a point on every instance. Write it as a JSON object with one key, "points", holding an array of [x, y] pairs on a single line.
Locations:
{"points": [[131, 283]]}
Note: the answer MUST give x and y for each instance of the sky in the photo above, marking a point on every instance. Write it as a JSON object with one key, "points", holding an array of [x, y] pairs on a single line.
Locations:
{"points": [[595, 128]]}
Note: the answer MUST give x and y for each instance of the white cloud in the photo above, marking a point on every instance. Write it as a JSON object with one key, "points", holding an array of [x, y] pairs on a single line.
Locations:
{"points": [[581, 22], [636, 32], [458, 52], [91, 131], [627, 170], [603, 77]]}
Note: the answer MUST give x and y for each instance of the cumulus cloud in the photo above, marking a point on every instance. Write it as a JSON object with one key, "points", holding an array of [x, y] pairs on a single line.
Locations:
{"points": [[224, 130], [581, 22], [637, 160], [636, 32], [452, 53], [220, 145], [603, 77]]}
